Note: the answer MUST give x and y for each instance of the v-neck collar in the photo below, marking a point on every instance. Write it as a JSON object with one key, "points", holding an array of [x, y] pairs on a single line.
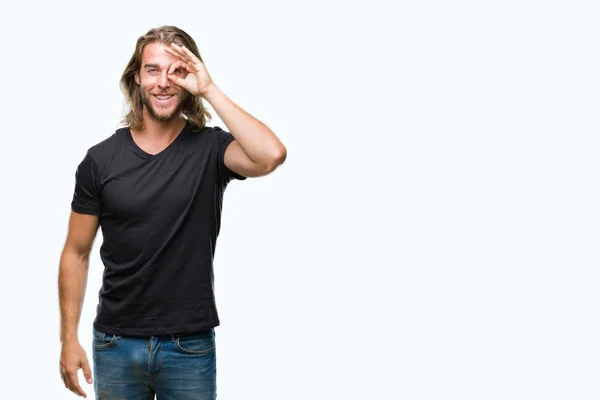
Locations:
{"points": [[149, 156]]}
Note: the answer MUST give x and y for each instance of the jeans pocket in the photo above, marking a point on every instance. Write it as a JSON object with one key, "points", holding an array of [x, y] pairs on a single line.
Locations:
{"points": [[199, 343], [103, 340]]}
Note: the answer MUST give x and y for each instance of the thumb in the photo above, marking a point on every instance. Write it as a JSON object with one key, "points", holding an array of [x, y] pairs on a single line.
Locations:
{"points": [[176, 80], [87, 372]]}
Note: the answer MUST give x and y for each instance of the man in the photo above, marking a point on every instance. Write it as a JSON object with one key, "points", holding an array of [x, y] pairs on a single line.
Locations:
{"points": [[156, 188]]}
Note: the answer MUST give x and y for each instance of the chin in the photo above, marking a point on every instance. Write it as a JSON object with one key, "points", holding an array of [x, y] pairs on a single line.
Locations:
{"points": [[163, 117], [161, 114]]}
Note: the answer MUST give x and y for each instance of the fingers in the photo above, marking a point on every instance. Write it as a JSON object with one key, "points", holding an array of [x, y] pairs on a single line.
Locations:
{"points": [[75, 388], [177, 64], [65, 378], [87, 371], [183, 52], [191, 56], [176, 80], [71, 381], [181, 60], [174, 51]]}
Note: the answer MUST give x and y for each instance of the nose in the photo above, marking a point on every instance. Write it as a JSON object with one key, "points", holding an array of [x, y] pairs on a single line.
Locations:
{"points": [[163, 81]]}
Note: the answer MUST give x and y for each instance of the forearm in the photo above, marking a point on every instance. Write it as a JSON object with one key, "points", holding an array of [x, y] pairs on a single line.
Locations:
{"points": [[72, 282], [258, 142]]}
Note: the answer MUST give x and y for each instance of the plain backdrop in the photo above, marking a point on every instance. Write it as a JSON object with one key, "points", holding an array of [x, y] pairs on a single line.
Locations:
{"points": [[433, 233]]}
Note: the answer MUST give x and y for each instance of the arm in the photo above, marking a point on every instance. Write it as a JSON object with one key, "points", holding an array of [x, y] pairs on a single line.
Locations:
{"points": [[256, 150], [72, 281], [73, 272]]}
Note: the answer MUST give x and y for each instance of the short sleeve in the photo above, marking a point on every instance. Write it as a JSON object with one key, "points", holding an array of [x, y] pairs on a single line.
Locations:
{"points": [[224, 139], [87, 197]]}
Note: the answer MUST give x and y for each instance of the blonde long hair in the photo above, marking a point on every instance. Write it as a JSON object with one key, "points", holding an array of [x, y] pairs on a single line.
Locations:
{"points": [[192, 108]]}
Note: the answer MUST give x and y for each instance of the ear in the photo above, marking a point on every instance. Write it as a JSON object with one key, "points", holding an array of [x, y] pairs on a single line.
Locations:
{"points": [[137, 78]]}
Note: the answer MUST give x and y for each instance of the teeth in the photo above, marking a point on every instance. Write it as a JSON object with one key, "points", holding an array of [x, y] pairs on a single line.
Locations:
{"points": [[163, 97]]}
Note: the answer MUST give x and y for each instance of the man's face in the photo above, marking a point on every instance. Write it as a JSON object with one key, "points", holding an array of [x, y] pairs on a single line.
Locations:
{"points": [[161, 97]]}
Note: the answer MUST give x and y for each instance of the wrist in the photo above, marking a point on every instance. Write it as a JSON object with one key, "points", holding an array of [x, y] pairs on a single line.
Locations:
{"points": [[72, 338], [212, 92]]}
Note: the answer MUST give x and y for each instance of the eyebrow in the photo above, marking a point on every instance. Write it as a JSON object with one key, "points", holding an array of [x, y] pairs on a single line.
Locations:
{"points": [[155, 66]]}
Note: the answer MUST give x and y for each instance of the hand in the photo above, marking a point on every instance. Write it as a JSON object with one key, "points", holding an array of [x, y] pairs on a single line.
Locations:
{"points": [[198, 82], [72, 358]]}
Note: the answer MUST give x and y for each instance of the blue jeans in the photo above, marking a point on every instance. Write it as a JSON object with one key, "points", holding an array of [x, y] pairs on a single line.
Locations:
{"points": [[174, 367]]}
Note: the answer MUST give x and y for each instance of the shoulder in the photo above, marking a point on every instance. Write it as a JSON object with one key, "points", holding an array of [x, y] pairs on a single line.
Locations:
{"points": [[101, 153], [214, 131], [213, 135], [107, 144], [205, 129], [220, 137]]}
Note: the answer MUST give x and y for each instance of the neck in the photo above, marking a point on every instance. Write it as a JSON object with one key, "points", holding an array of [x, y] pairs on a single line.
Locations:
{"points": [[161, 129]]}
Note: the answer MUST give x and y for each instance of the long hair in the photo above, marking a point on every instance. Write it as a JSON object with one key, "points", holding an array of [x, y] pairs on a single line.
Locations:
{"points": [[192, 108]]}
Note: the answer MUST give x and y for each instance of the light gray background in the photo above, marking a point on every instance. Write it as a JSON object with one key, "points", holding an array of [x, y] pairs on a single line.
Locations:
{"points": [[433, 233]]}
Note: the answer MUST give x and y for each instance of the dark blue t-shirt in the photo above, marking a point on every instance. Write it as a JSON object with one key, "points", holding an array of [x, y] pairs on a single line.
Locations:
{"points": [[160, 217]]}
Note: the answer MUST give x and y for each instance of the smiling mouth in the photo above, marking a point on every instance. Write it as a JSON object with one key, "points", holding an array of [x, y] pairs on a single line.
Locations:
{"points": [[163, 97]]}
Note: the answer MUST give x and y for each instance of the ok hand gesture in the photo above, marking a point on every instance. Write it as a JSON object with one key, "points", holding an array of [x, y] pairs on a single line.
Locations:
{"points": [[198, 82]]}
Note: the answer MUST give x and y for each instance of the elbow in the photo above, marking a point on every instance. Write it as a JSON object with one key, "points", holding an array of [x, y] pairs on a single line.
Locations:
{"points": [[280, 155], [276, 159], [78, 252]]}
